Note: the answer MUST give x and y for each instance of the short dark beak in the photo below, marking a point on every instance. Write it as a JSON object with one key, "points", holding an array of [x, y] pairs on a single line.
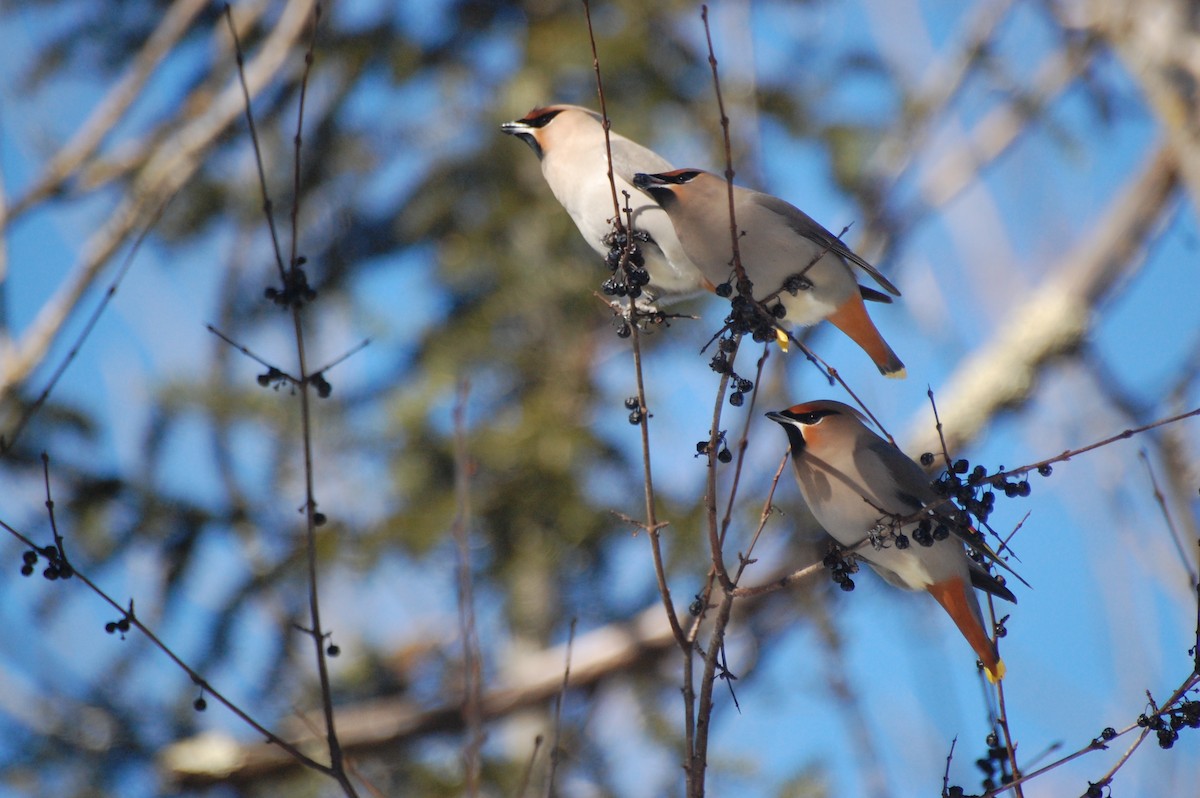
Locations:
{"points": [[778, 418], [525, 133], [643, 180]]}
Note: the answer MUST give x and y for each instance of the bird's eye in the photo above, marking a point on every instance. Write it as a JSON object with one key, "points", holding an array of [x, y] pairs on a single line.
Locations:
{"points": [[684, 176], [814, 416]]}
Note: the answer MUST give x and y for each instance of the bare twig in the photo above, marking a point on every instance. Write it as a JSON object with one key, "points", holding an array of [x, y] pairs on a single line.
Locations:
{"points": [[174, 22], [131, 621], [743, 283], [605, 122], [558, 705], [1010, 746], [472, 656], [742, 446], [309, 57], [946, 773], [527, 775], [268, 208], [248, 353], [1070, 453], [294, 287], [166, 170], [1172, 530], [795, 576], [1096, 745], [7, 442]]}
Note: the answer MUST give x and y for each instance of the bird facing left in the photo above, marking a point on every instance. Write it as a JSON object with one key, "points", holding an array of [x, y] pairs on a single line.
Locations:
{"points": [[855, 483], [569, 142]]}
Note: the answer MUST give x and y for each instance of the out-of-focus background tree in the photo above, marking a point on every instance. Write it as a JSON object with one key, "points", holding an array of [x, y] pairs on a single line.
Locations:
{"points": [[1026, 172]]}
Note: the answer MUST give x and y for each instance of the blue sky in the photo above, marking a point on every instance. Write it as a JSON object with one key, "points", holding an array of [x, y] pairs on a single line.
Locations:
{"points": [[1109, 615]]}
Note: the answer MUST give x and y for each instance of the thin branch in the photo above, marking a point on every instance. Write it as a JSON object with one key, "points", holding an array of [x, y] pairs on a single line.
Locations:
{"points": [[1097, 745], [166, 170], [174, 22], [1070, 453], [605, 122], [795, 576], [1010, 746], [472, 656], [295, 288], [309, 58], [7, 442], [742, 446], [246, 351], [342, 358], [743, 283], [558, 705], [291, 751], [527, 775], [1172, 530], [946, 773], [268, 208]]}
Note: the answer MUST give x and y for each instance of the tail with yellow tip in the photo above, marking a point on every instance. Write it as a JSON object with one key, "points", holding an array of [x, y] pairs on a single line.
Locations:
{"points": [[963, 608], [852, 319]]}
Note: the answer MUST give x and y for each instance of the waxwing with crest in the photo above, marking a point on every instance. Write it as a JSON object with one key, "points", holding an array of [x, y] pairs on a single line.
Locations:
{"points": [[787, 255], [859, 486], [569, 143]]}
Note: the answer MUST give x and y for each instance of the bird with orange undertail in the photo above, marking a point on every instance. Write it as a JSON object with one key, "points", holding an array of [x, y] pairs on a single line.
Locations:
{"points": [[856, 483], [784, 252], [569, 142]]}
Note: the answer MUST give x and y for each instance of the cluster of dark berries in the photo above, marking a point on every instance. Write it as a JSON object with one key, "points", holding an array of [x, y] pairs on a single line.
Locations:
{"points": [[272, 377], [627, 264], [994, 763], [723, 453], [122, 626], [1166, 724], [748, 317], [973, 493], [296, 290], [321, 384], [636, 412], [840, 568], [56, 568], [1096, 791], [742, 386], [722, 364], [926, 533]]}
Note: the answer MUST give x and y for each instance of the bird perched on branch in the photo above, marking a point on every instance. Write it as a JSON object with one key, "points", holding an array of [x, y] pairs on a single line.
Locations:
{"points": [[791, 260], [569, 142], [858, 486]]}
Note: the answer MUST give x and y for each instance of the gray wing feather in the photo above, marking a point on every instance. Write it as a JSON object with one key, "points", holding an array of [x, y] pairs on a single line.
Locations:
{"points": [[804, 225], [913, 491]]}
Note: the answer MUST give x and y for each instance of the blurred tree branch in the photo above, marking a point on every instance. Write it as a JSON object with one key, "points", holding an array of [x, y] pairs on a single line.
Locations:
{"points": [[1000, 375], [167, 169]]}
